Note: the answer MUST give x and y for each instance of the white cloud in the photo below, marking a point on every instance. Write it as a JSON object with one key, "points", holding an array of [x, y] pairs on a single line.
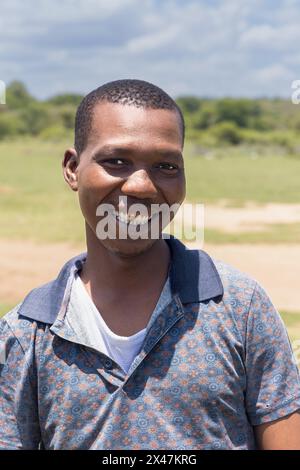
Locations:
{"points": [[225, 47], [273, 73], [279, 38], [154, 40]]}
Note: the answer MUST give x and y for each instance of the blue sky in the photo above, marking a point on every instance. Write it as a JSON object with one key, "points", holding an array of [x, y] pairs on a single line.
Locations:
{"points": [[205, 48]]}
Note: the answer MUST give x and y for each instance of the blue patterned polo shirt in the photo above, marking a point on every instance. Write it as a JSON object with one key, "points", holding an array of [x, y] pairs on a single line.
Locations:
{"points": [[215, 362]]}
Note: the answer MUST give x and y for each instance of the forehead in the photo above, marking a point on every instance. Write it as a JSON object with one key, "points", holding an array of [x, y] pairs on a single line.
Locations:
{"points": [[114, 122]]}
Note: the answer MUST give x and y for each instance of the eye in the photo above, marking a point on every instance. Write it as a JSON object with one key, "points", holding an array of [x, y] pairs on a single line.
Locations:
{"points": [[168, 167], [115, 162]]}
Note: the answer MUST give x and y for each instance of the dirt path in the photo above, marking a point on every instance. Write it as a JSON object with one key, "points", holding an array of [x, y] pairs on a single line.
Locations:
{"points": [[25, 265], [276, 267], [250, 218]]}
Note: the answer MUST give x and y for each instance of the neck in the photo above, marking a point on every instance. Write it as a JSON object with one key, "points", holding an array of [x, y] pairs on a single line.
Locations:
{"points": [[112, 271]]}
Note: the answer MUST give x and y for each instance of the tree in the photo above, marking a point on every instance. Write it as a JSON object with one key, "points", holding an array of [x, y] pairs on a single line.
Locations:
{"points": [[238, 111], [66, 99], [10, 125], [36, 117], [205, 117], [227, 132], [188, 104], [17, 96]]}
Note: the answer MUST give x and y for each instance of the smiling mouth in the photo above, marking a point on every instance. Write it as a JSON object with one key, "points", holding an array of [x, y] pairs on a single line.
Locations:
{"points": [[133, 219]]}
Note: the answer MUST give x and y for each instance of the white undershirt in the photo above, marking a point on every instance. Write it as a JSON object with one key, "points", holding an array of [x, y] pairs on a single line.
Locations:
{"points": [[122, 349]]}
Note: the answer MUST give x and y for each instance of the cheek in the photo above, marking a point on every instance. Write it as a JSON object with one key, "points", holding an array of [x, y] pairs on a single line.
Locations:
{"points": [[94, 185], [182, 189], [175, 190]]}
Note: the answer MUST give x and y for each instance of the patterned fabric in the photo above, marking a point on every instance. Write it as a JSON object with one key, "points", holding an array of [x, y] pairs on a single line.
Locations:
{"points": [[209, 370], [87, 322]]}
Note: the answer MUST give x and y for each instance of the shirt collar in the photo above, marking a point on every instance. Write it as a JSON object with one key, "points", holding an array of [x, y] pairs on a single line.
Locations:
{"points": [[193, 277], [193, 274]]}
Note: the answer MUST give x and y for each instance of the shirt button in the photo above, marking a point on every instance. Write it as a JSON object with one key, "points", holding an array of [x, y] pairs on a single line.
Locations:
{"points": [[108, 364]]}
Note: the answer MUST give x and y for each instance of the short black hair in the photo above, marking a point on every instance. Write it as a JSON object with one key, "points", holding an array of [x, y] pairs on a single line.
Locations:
{"points": [[133, 92]]}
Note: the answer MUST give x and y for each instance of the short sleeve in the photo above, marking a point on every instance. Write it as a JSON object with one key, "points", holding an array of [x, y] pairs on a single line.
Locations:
{"points": [[273, 384], [19, 425]]}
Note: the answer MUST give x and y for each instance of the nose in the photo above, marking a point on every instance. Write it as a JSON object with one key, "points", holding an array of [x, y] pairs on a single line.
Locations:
{"points": [[139, 185]]}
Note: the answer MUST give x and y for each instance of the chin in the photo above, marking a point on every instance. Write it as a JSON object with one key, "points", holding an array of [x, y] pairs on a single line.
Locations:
{"points": [[128, 248]]}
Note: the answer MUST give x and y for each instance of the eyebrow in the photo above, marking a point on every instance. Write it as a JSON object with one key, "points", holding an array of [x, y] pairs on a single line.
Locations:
{"points": [[108, 150]]}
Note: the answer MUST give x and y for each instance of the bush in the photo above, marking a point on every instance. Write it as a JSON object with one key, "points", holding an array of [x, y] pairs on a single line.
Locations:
{"points": [[36, 117], [227, 132], [239, 111], [204, 117], [10, 125], [67, 116], [55, 133], [66, 99], [17, 96], [188, 104]]}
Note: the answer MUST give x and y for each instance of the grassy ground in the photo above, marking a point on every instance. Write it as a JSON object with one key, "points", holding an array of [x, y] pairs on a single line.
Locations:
{"points": [[274, 233], [4, 308], [241, 178], [292, 322], [36, 204]]}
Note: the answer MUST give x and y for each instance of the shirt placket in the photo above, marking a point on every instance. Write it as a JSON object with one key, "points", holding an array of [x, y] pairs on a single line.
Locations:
{"points": [[106, 367], [169, 316]]}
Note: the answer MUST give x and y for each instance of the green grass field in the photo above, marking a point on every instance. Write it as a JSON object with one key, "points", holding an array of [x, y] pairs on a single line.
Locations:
{"points": [[292, 323], [238, 177], [36, 204], [274, 233], [4, 308]]}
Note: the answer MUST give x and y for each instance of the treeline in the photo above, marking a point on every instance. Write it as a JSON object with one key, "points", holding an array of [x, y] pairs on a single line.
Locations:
{"points": [[209, 122], [25, 115], [237, 121]]}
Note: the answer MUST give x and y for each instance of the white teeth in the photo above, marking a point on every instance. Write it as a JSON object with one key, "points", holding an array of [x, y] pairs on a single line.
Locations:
{"points": [[131, 219], [122, 204]]}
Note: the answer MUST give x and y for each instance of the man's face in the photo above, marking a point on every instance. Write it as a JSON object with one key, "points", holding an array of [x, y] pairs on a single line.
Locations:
{"points": [[132, 152]]}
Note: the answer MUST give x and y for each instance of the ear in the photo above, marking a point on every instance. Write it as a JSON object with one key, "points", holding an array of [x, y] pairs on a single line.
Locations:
{"points": [[70, 165]]}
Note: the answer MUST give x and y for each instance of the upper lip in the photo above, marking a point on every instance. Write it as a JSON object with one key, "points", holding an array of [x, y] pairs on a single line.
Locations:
{"points": [[128, 211], [131, 215]]}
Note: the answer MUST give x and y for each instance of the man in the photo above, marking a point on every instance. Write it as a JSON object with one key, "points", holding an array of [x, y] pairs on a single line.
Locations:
{"points": [[141, 343]]}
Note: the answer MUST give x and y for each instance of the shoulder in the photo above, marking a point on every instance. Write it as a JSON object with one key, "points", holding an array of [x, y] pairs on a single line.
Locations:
{"points": [[235, 281], [14, 328], [245, 296], [39, 308], [241, 292], [43, 303]]}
